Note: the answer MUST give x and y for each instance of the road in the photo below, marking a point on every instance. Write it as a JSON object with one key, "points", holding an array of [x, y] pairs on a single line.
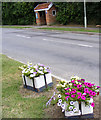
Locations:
{"points": [[66, 53]]}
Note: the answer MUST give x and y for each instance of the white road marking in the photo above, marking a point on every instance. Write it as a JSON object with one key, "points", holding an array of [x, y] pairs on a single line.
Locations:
{"points": [[23, 36], [83, 45]]}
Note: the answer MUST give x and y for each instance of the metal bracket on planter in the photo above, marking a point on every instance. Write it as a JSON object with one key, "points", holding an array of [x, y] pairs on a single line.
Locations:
{"points": [[45, 80], [25, 82]]}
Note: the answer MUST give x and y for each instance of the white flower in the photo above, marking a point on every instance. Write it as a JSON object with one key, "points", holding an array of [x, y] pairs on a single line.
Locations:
{"points": [[40, 72], [60, 100], [23, 71], [70, 84], [32, 75], [75, 77], [63, 106], [71, 112], [75, 110], [71, 103], [35, 67], [31, 71], [71, 107], [40, 68], [63, 110], [58, 104], [45, 67], [84, 94], [26, 71], [59, 96], [76, 82]]}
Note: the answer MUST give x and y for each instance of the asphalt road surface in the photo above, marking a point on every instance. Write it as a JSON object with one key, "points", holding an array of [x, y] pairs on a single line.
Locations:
{"points": [[66, 53]]}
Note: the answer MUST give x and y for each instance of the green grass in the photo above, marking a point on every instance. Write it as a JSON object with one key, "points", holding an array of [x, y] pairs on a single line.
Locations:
{"points": [[14, 105], [71, 29], [20, 27]]}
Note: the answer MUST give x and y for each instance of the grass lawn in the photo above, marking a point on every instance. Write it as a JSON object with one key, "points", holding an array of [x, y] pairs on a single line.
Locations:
{"points": [[14, 104], [20, 27], [72, 29]]}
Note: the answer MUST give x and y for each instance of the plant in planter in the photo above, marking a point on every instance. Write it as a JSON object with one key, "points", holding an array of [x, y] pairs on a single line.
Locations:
{"points": [[76, 97], [36, 77]]}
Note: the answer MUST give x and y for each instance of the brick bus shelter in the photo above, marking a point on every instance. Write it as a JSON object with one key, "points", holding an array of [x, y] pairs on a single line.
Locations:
{"points": [[45, 14]]}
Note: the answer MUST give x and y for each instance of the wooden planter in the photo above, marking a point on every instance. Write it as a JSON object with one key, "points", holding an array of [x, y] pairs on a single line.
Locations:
{"points": [[37, 83], [83, 111]]}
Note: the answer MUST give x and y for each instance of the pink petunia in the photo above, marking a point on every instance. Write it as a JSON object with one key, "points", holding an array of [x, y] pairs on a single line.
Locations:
{"points": [[89, 85], [78, 80], [74, 84], [78, 97], [91, 97], [98, 87], [86, 90], [93, 93], [79, 93], [79, 86], [85, 83], [66, 97], [72, 81], [92, 104], [83, 97], [90, 92], [66, 88], [67, 93], [74, 91], [73, 96]]}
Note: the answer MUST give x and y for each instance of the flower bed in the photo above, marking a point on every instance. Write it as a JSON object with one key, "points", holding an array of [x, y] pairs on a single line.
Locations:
{"points": [[76, 97], [36, 77]]}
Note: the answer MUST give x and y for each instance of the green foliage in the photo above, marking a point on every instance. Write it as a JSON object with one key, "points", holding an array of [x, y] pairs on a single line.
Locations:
{"points": [[73, 12], [18, 13], [22, 13]]}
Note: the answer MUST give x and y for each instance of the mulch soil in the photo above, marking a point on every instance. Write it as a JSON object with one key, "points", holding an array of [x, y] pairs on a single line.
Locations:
{"points": [[53, 111]]}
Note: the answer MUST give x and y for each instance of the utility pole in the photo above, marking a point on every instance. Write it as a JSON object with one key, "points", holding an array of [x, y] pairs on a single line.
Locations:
{"points": [[85, 19]]}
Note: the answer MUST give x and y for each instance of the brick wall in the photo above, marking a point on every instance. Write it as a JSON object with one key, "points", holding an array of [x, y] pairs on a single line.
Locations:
{"points": [[48, 19]]}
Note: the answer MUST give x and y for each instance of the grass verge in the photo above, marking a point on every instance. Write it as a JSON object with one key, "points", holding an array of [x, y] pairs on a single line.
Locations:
{"points": [[72, 29], [20, 27], [14, 104]]}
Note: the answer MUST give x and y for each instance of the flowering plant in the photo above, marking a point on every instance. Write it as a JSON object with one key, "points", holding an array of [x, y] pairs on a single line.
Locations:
{"points": [[32, 71], [77, 90]]}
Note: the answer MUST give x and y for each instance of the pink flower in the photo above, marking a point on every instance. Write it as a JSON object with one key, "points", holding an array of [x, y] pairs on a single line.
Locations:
{"points": [[67, 93], [83, 80], [90, 92], [91, 97], [98, 87], [85, 83], [73, 81], [79, 86], [66, 97], [92, 104], [78, 80], [83, 97], [73, 96], [74, 84], [93, 93], [78, 97], [66, 88], [74, 91], [86, 90], [89, 85], [79, 93]]}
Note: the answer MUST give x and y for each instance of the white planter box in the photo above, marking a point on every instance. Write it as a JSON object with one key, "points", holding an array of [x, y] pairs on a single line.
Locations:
{"points": [[39, 82], [84, 109], [69, 114], [87, 109]]}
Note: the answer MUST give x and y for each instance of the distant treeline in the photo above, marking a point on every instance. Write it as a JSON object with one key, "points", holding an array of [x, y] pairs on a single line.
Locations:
{"points": [[22, 13]]}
